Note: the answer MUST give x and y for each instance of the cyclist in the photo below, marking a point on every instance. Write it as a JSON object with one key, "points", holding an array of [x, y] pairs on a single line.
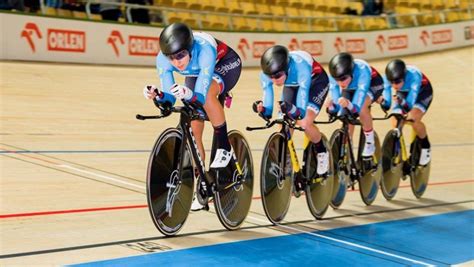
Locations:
{"points": [[211, 70], [354, 85], [305, 86], [413, 96]]}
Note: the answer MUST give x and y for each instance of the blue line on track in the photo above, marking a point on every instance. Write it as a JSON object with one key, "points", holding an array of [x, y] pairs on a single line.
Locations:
{"points": [[438, 240]]}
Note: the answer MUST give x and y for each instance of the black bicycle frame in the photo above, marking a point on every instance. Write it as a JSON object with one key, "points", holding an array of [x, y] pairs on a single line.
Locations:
{"points": [[186, 116]]}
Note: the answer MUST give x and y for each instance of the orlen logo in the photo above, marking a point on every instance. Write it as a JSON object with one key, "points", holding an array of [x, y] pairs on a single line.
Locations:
{"points": [[355, 46], [115, 37], [314, 47], [30, 30], [395, 42], [257, 47], [441, 37], [260, 47], [143, 45], [66, 40], [437, 37]]}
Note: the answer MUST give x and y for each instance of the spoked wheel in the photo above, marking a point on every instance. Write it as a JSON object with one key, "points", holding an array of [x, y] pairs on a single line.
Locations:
{"points": [[319, 190], [370, 180], [233, 203], [340, 168], [421, 174], [169, 188], [392, 165], [276, 178]]}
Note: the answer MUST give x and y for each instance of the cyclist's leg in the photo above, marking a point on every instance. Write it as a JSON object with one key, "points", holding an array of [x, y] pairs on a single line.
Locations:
{"points": [[367, 126], [318, 92], [416, 114], [226, 75]]}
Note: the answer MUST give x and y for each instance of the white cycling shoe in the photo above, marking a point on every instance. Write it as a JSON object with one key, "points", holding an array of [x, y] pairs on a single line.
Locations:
{"points": [[425, 156], [222, 158], [323, 163]]}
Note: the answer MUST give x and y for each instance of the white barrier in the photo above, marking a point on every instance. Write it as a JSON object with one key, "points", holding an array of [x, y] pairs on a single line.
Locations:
{"points": [[35, 38]]}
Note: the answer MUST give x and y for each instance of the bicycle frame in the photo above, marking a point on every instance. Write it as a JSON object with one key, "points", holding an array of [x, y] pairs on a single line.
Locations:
{"points": [[187, 114], [287, 125]]}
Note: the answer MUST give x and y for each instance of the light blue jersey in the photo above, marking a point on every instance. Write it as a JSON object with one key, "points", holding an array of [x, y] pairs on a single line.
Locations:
{"points": [[300, 70], [201, 65], [361, 78], [411, 87]]}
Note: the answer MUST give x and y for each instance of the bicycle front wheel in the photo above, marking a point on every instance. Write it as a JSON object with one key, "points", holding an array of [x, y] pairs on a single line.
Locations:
{"points": [[319, 190], [392, 165], [370, 180], [169, 185], [233, 204], [420, 176], [341, 174], [276, 178]]}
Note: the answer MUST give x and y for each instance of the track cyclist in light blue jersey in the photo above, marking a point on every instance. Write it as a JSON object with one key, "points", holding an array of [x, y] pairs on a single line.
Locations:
{"points": [[412, 96], [354, 86], [211, 69], [305, 86]]}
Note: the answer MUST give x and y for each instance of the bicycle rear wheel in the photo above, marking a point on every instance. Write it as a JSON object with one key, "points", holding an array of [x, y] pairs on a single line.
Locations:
{"points": [[169, 189], [275, 178], [341, 173], [392, 165], [319, 190], [370, 180], [420, 176], [233, 204]]}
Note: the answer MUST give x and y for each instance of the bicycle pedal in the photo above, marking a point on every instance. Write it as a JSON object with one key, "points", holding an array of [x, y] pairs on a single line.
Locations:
{"points": [[297, 193]]}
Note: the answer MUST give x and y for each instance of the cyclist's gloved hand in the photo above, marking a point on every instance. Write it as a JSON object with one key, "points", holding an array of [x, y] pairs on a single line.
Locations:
{"points": [[384, 105], [352, 110], [400, 99], [258, 108], [152, 92], [290, 110], [331, 109], [181, 92]]}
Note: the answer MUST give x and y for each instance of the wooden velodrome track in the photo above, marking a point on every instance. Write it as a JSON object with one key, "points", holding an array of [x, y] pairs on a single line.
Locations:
{"points": [[73, 162]]}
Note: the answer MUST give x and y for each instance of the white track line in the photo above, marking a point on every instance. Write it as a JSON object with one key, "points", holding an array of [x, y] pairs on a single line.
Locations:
{"points": [[346, 243], [264, 221], [102, 176]]}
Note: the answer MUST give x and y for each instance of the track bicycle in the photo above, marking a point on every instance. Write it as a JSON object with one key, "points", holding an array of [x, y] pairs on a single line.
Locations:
{"points": [[172, 165], [280, 172]]}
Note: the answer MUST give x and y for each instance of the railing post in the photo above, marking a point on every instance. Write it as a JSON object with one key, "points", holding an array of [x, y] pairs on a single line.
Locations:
{"points": [[88, 9]]}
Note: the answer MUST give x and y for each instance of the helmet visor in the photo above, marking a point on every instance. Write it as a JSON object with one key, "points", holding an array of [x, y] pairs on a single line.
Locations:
{"points": [[277, 75], [179, 55], [342, 78], [396, 81]]}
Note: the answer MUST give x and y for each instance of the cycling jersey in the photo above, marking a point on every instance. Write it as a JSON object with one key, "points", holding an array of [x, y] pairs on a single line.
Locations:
{"points": [[366, 81], [416, 91], [305, 85], [206, 54]]}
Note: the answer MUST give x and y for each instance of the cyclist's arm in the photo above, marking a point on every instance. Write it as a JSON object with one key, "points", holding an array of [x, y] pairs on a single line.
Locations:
{"points": [[414, 90], [304, 82], [165, 72], [335, 94], [363, 84], [207, 63], [267, 86], [387, 93]]}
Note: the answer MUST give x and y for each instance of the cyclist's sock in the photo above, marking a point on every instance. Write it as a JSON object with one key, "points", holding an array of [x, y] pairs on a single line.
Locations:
{"points": [[369, 147], [424, 142], [369, 136], [320, 148], [220, 132]]}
